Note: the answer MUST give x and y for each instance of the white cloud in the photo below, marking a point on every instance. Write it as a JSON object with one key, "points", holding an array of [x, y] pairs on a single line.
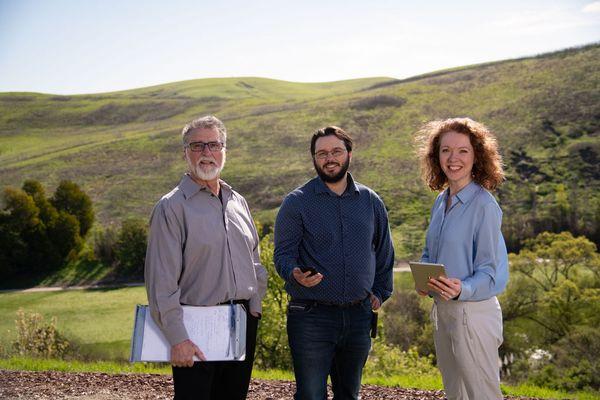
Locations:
{"points": [[592, 7]]}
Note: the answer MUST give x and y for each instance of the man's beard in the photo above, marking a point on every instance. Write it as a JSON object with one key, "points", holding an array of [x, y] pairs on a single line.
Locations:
{"points": [[332, 178], [204, 174]]}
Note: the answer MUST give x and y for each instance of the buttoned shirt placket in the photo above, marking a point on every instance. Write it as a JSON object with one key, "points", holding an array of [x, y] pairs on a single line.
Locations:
{"points": [[345, 252], [225, 199], [445, 214]]}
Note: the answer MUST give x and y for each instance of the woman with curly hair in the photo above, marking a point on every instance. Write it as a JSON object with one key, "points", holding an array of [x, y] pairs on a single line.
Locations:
{"points": [[460, 157]]}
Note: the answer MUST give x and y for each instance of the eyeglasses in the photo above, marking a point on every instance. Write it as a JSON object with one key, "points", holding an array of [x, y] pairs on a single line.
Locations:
{"points": [[336, 153], [198, 147]]}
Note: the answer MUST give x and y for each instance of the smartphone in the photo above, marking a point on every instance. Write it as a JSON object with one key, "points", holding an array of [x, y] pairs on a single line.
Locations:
{"points": [[312, 270]]}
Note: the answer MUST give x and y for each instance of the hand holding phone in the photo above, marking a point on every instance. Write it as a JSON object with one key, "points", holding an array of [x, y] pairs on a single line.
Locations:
{"points": [[312, 270], [307, 276]]}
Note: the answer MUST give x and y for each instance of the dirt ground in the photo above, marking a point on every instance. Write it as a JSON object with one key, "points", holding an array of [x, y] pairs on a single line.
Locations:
{"points": [[99, 386]]}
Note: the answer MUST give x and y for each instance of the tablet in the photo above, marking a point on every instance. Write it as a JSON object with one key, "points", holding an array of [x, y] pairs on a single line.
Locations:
{"points": [[423, 271]]}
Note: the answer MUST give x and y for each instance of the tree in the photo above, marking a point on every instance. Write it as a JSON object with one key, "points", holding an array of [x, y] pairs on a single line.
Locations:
{"points": [[551, 303], [47, 212], [64, 234], [70, 198], [19, 218], [35, 236]]}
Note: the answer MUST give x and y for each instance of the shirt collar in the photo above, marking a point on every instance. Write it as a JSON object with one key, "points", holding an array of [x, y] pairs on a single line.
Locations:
{"points": [[321, 187], [467, 193], [189, 187]]}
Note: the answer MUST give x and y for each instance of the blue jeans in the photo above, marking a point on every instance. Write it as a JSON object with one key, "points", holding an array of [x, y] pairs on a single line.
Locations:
{"points": [[327, 338]]}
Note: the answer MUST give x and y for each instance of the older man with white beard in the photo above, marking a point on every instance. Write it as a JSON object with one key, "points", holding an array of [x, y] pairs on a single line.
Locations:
{"points": [[203, 251]]}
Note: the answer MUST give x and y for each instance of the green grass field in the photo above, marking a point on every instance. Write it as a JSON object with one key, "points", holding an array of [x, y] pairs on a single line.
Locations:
{"points": [[100, 321]]}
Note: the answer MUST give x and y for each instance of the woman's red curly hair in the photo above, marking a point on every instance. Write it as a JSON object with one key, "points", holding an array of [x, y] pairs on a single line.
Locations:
{"points": [[487, 168]]}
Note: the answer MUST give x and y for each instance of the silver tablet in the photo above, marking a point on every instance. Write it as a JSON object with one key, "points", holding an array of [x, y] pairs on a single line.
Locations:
{"points": [[422, 272]]}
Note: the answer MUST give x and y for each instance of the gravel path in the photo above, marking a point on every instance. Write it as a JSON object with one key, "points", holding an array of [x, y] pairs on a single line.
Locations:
{"points": [[100, 386]]}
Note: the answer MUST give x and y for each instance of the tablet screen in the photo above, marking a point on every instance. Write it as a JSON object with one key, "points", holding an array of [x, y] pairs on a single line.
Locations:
{"points": [[422, 272]]}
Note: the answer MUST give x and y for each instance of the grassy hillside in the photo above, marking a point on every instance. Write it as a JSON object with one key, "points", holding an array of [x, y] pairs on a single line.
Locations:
{"points": [[124, 147]]}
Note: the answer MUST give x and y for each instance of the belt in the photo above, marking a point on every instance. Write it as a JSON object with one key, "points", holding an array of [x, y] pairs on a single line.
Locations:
{"points": [[329, 303], [245, 302]]}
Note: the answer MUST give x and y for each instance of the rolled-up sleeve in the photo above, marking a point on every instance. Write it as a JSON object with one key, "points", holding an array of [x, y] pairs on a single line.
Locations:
{"points": [[162, 270]]}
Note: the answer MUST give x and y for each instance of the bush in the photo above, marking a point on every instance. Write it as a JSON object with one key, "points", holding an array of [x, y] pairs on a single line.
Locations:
{"points": [[577, 377], [105, 244], [575, 364], [272, 349], [407, 323], [131, 247], [36, 338], [386, 360]]}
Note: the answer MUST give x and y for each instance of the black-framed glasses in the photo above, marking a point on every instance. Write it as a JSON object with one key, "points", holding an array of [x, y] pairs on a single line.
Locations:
{"points": [[336, 153], [198, 147]]}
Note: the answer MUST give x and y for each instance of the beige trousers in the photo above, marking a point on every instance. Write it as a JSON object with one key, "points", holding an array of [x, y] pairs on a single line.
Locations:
{"points": [[467, 336]]}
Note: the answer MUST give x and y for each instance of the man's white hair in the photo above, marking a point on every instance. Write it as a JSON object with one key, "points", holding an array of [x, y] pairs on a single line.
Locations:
{"points": [[206, 122]]}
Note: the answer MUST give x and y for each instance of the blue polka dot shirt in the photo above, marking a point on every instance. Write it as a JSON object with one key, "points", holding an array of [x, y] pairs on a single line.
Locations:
{"points": [[346, 238]]}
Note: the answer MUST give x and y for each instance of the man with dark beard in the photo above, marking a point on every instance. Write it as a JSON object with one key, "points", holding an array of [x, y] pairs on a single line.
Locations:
{"points": [[203, 251], [334, 251]]}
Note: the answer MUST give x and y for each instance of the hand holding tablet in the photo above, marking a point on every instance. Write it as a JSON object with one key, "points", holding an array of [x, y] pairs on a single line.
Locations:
{"points": [[422, 272]]}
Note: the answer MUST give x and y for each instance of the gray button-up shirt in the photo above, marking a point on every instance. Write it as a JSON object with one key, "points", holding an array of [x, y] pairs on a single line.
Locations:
{"points": [[202, 252]]}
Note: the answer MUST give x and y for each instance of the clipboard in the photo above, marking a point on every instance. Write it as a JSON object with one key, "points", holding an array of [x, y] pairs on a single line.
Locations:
{"points": [[219, 331], [421, 273]]}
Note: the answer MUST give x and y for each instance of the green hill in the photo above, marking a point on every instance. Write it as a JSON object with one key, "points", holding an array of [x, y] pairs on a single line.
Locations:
{"points": [[124, 149]]}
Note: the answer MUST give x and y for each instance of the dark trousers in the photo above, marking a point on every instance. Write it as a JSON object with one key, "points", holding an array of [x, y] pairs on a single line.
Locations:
{"points": [[326, 339], [218, 380]]}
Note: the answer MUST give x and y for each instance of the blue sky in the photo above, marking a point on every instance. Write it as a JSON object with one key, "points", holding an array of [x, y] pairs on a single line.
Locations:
{"points": [[85, 46]]}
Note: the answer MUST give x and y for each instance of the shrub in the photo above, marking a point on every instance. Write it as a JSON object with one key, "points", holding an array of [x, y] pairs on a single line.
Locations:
{"points": [[575, 364], [386, 360], [105, 244], [407, 323], [272, 350], [36, 338], [576, 377], [131, 247]]}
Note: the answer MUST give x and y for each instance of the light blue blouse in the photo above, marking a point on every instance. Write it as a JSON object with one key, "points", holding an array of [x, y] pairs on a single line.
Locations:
{"points": [[467, 239]]}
